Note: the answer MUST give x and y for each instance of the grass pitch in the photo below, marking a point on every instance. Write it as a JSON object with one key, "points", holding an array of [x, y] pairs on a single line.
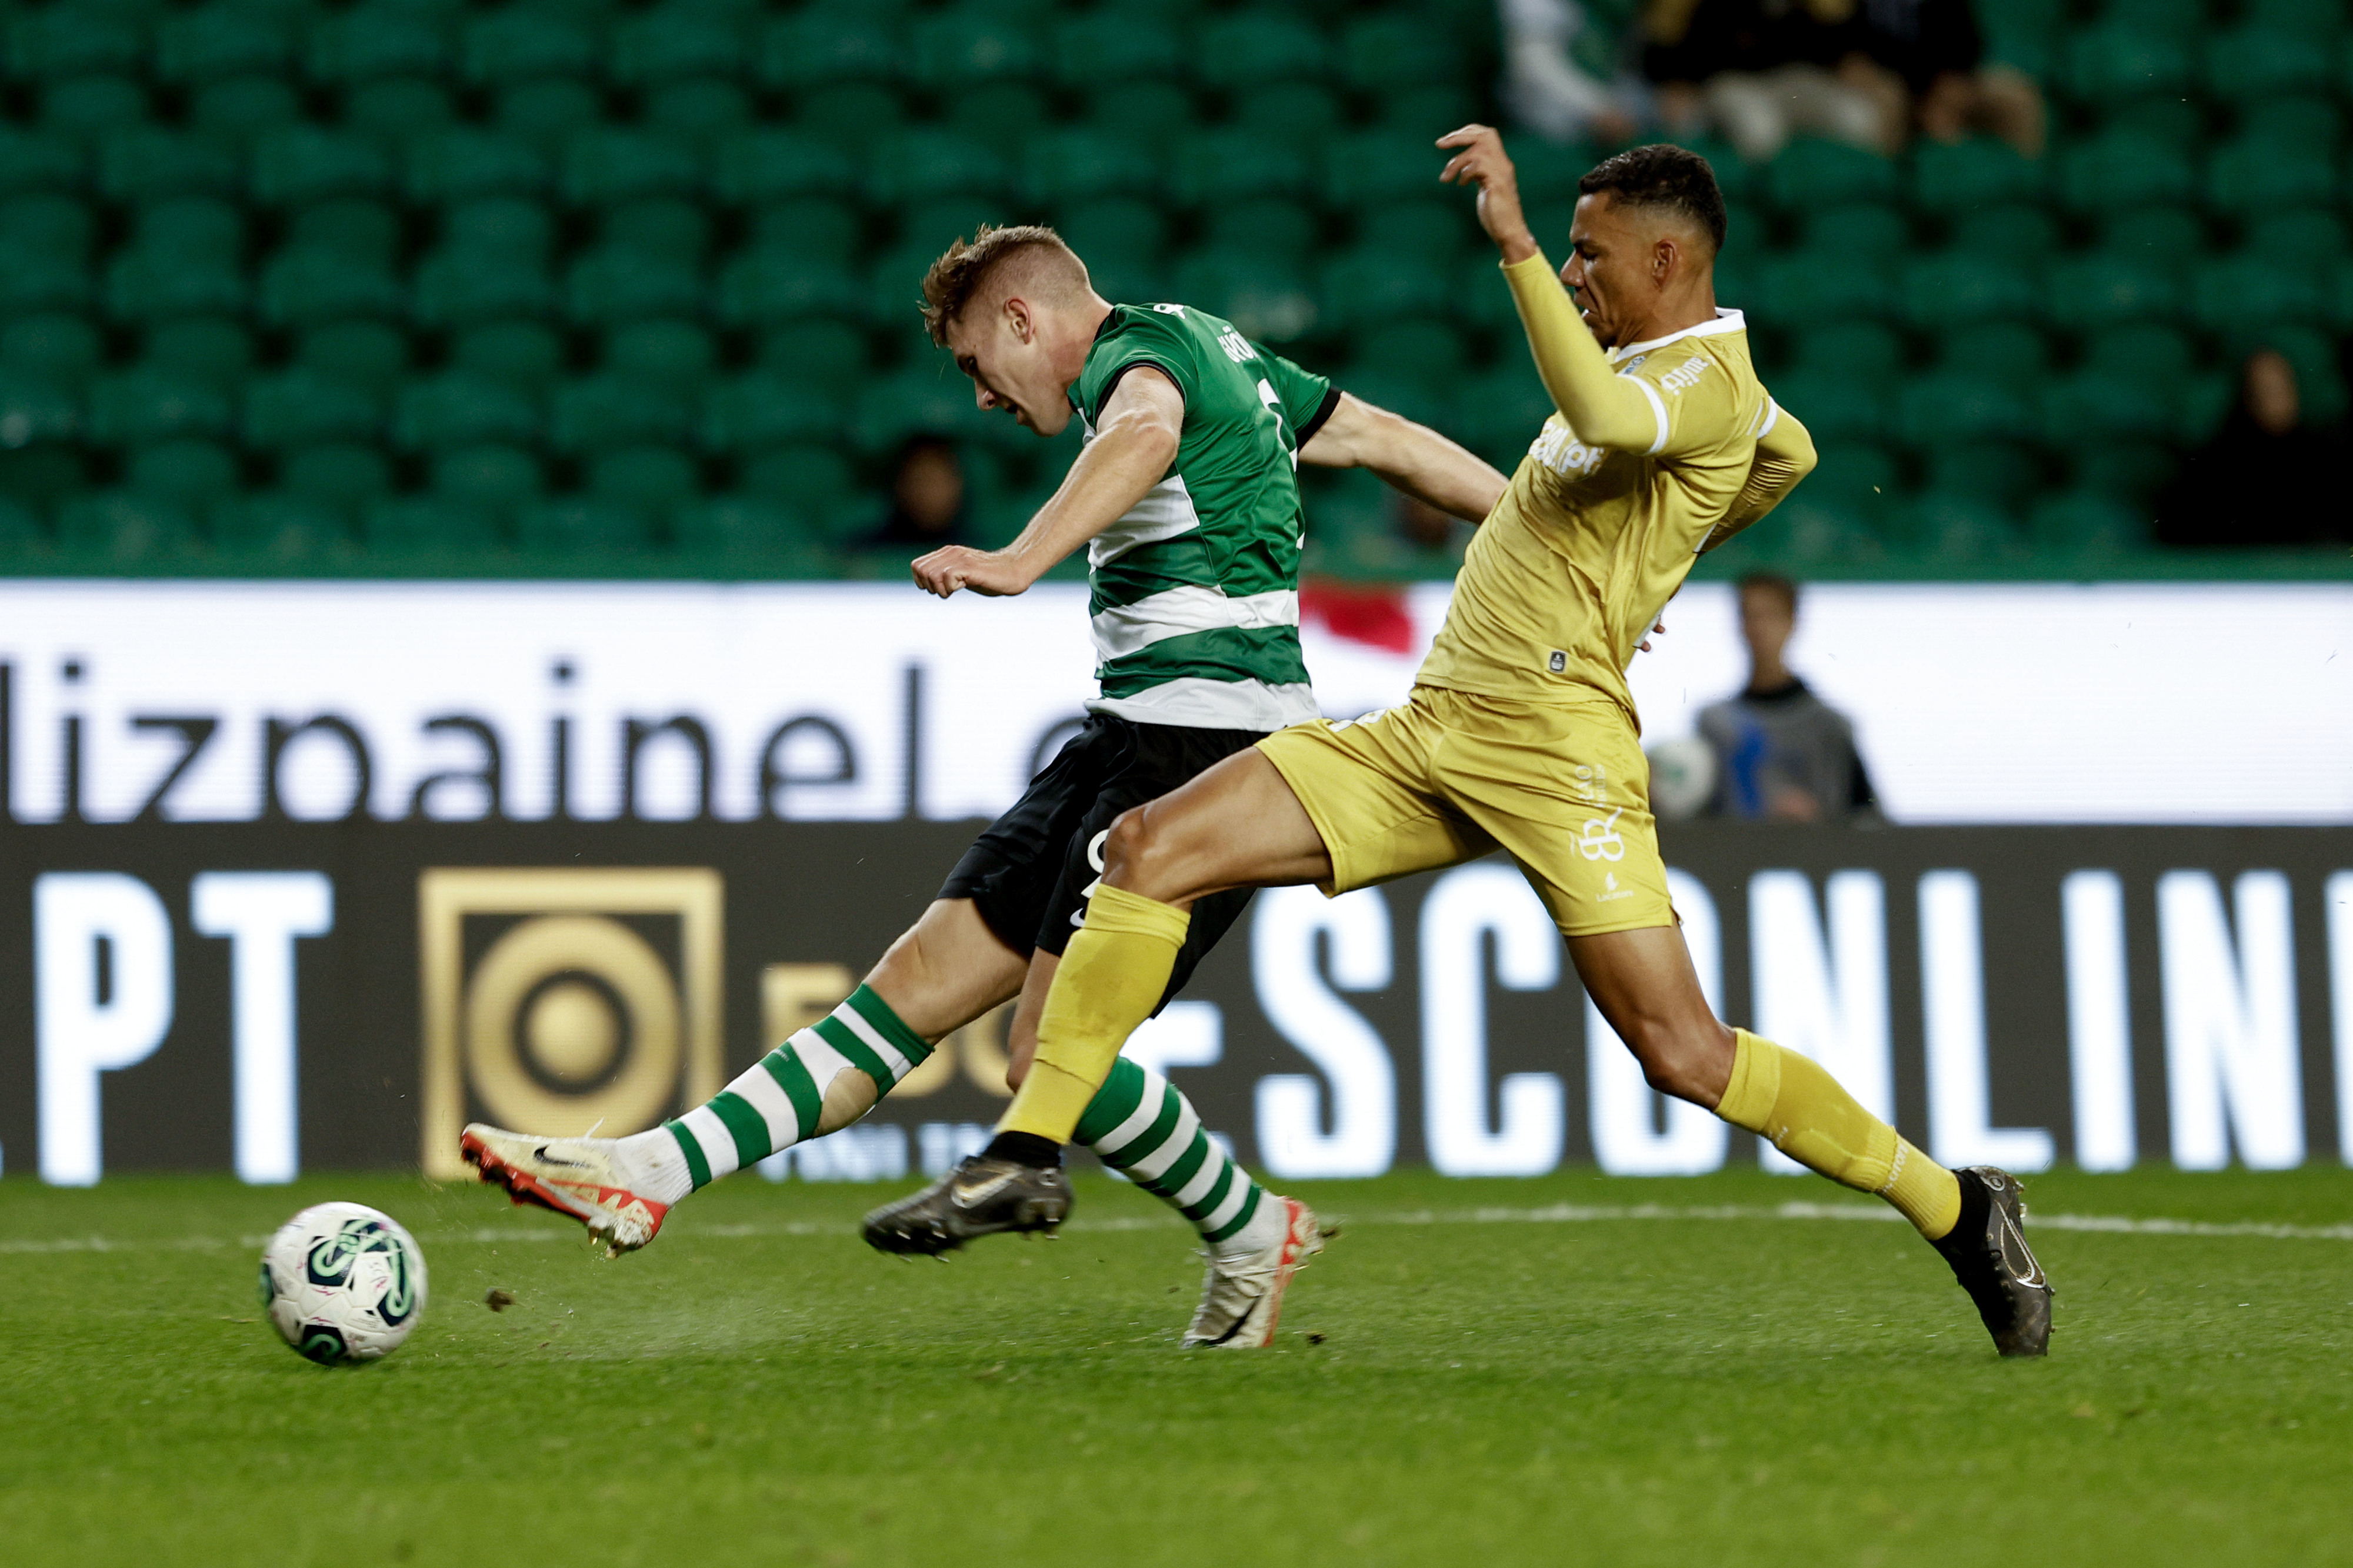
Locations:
{"points": [[1591, 1371]]}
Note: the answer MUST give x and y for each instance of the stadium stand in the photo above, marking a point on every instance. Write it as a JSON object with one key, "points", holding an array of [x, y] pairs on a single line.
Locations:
{"points": [[574, 286]]}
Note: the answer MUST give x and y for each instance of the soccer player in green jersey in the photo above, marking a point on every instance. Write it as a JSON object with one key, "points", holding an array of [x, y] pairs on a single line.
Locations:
{"points": [[1186, 500]]}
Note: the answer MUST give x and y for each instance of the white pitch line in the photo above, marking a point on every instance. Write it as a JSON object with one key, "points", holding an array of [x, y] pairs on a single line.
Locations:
{"points": [[1555, 1214]]}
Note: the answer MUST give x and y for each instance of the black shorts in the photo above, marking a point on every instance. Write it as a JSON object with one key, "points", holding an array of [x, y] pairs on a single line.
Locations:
{"points": [[1029, 873]]}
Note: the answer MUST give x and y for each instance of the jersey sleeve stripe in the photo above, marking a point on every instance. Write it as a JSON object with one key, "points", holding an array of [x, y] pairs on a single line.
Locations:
{"points": [[1658, 407], [1322, 413], [1772, 417]]}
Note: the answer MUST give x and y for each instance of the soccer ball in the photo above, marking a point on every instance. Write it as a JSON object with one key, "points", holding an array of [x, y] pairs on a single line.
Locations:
{"points": [[1682, 776], [343, 1283]]}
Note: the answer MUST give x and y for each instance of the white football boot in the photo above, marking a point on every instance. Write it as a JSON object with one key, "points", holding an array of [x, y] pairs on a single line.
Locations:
{"points": [[586, 1178], [1241, 1296]]}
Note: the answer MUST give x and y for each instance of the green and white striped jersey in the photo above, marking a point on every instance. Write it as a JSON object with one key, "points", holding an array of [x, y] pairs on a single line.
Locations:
{"points": [[1195, 591]]}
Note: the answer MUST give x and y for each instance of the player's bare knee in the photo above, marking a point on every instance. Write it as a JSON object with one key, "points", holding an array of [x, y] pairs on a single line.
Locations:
{"points": [[1133, 850], [1678, 1062]]}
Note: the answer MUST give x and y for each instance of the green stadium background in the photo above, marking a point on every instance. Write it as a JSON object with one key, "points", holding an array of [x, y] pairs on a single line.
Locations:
{"points": [[571, 288]]}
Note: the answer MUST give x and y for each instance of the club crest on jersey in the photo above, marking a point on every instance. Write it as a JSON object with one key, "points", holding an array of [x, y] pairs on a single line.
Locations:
{"points": [[1557, 448]]}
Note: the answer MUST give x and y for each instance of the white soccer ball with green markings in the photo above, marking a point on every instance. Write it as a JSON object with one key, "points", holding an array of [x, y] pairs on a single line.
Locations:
{"points": [[343, 1282]]}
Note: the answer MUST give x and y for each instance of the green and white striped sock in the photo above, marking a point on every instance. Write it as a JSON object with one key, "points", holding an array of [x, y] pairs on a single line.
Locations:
{"points": [[794, 1092], [1142, 1127]]}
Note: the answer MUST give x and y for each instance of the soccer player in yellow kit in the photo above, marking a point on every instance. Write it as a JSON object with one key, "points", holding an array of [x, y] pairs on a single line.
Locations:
{"points": [[1520, 734]]}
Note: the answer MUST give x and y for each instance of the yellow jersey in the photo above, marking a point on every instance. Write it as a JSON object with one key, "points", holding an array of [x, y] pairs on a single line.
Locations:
{"points": [[1573, 566]]}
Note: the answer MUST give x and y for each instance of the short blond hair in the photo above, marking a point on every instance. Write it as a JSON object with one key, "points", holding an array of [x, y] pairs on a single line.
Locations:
{"points": [[955, 280]]}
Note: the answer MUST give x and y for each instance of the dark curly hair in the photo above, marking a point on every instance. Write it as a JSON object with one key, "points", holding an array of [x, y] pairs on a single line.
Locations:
{"points": [[1663, 175]]}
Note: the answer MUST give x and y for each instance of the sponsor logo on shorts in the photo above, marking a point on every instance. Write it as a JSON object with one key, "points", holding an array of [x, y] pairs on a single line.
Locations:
{"points": [[1094, 859], [1592, 786], [1612, 891], [1599, 839]]}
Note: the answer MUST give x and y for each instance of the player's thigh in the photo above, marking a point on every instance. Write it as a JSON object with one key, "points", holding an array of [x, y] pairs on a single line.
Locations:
{"points": [[947, 970], [1644, 985], [1236, 826]]}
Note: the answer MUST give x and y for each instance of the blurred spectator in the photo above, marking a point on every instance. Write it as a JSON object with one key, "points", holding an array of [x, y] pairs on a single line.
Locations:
{"points": [[1858, 72], [928, 503], [1761, 71], [2265, 478], [1781, 753], [1548, 90]]}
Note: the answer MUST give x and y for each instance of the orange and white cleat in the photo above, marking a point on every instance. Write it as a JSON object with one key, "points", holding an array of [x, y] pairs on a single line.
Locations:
{"points": [[586, 1178], [1241, 1296]]}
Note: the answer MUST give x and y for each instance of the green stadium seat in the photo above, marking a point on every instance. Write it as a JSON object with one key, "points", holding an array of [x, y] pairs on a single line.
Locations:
{"points": [[581, 526], [2016, 356], [125, 529], [672, 355], [827, 46], [1154, 115], [50, 43], [1288, 232], [1498, 413], [549, 112], [1799, 289], [349, 226], [52, 346], [2157, 236], [925, 396], [812, 480], [39, 409], [701, 107], [374, 40], [1302, 114], [279, 526], [594, 413], [1002, 116], [300, 407], [2108, 286], [2004, 474], [2256, 174], [527, 354], [1812, 173], [1391, 52], [1368, 283], [33, 279], [973, 41], [767, 286], [664, 226], [2257, 60], [2319, 20], [1371, 168], [493, 480], [244, 108], [213, 43], [1954, 285], [2024, 236], [825, 356], [143, 406], [1942, 406], [1870, 234], [1430, 353], [309, 285], [374, 353], [143, 163], [34, 160], [819, 226], [922, 163], [2084, 523], [775, 406], [738, 526], [2114, 171], [757, 168], [2312, 235], [459, 285], [158, 278], [525, 43], [1434, 233], [460, 164], [676, 42], [190, 473], [304, 163], [211, 348], [500, 225], [1835, 405], [93, 105], [1960, 529], [1253, 47], [22, 537], [461, 408], [1270, 302], [1101, 45], [1078, 163], [2114, 60], [399, 108], [1962, 176], [2178, 122], [426, 526], [850, 117], [654, 481], [2251, 289], [2097, 405], [1862, 352]]}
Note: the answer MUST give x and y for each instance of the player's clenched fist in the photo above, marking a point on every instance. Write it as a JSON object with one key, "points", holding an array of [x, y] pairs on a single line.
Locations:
{"points": [[954, 567], [1482, 162]]}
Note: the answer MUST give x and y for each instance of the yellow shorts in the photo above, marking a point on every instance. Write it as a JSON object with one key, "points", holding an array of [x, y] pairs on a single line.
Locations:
{"points": [[1563, 787]]}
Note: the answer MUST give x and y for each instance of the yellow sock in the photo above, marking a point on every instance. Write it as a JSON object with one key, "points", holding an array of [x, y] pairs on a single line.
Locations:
{"points": [[1805, 1113], [1110, 978]]}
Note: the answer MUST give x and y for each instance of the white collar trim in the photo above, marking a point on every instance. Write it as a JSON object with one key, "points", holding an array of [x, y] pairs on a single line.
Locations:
{"points": [[1726, 321]]}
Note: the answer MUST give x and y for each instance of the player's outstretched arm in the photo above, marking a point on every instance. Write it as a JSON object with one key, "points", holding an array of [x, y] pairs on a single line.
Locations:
{"points": [[1604, 408], [1143, 421], [1413, 458], [1785, 454]]}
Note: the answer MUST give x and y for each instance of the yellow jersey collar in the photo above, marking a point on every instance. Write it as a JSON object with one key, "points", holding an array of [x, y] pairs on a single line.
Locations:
{"points": [[1726, 321]]}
